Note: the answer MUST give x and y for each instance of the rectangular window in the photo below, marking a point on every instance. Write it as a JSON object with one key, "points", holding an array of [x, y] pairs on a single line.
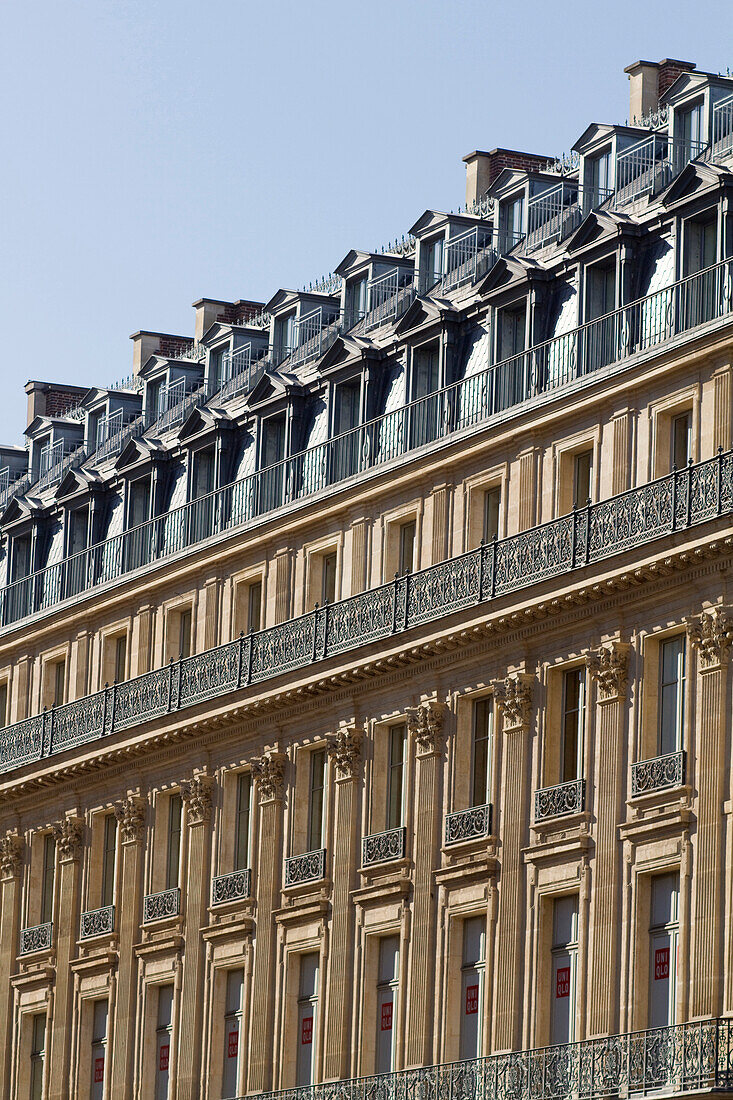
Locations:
{"points": [[512, 222], [564, 969], [274, 440], [395, 776], [573, 724], [387, 989], [432, 262], [109, 858], [3, 704], [426, 372], [217, 359], [139, 511], [582, 478], [173, 853], [203, 473], [483, 739], [120, 644], [347, 407], [663, 942], [307, 1013], [681, 440], [356, 296], [254, 605], [232, 1032], [185, 619], [328, 578], [78, 530], [690, 128], [406, 562], [700, 252], [671, 695], [316, 799], [283, 336], [492, 507], [242, 825], [598, 179], [58, 684], [163, 1033], [601, 291], [472, 986], [47, 878], [513, 332], [38, 1055], [99, 1048]]}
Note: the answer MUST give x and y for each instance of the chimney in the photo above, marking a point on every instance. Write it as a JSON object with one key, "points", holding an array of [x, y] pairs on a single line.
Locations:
{"points": [[208, 310], [483, 168], [51, 398], [649, 80]]}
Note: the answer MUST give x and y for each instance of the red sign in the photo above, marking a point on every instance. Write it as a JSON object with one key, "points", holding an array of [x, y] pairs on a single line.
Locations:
{"points": [[562, 981], [233, 1043], [99, 1070], [306, 1031], [386, 1024], [163, 1057], [471, 1000], [661, 963]]}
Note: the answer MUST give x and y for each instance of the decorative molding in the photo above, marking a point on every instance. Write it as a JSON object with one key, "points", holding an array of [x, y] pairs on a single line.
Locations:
{"points": [[609, 667], [425, 723], [197, 793], [69, 835], [269, 772], [514, 699], [712, 635], [130, 814], [344, 748], [11, 855]]}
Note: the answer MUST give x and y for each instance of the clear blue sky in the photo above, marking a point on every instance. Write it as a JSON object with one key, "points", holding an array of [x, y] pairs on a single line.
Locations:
{"points": [[158, 151]]}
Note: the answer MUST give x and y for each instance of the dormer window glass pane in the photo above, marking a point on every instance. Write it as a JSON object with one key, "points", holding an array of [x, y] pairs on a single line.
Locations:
{"points": [[701, 245], [601, 291], [283, 335], [356, 300], [432, 264], [690, 127], [139, 501], [78, 530], [347, 407], [274, 442], [217, 368], [512, 328], [426, 372], [599, 177], [512, 221], [203, 472], [21, 557], [154, 394]]}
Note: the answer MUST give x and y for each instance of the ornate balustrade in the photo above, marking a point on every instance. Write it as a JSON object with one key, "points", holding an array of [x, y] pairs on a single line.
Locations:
{"points": [[309, 867], [235, 886], [38, 938], [559, 801], [167, 903], [694, 1057], [675, 502], [97, 922], [657, 774], [470, 824], [383, 847]]}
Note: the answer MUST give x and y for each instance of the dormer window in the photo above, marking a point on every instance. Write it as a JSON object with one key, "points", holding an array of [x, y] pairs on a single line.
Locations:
{"points": [[273, 448], [356, 300], [154, 398], [598, 178], [283, 336], [346, 406], [700, 243], [431, 263], [600, 290], [78, 530], [690, 128], [512, 331], [204, 464], [219, 361], [511, 222], [139, 502]]}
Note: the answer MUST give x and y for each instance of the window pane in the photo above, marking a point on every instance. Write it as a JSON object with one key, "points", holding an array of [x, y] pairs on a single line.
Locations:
{"points": [[407, 547], [174, 840], [254, 605], [315, 820], [671, 696], [483, 718], [241, 841], [49, 864], [492, 504], [573, 724], [395, 776], [108, 859]]}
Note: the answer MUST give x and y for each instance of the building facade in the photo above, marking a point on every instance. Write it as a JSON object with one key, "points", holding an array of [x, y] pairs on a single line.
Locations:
{"points": [[365, 661]]}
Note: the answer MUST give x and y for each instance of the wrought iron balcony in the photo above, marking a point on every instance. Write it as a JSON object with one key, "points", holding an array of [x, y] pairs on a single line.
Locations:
{"points": [[657, 774], [465, 406], [470, 255], [389, 297], [97, 922], [722, 142], [236, 886], [38, 938], [309, 867], [383, 847], [167, 903], [555, 213], [651, 164], [685, 1058], [675, 502], [470, 824], [559, 801]]}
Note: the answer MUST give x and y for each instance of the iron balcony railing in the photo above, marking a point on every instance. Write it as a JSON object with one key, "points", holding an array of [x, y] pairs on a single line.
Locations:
{"points": [[383, 847], [555, 213], [97, 922], [166, 903], [651, 164], [558, 801], [243, 369], [464, 406], [468, 256], [389, 297], [236, 886], [37, 938], [722, 142], [657, 774], [692, 1057], [594, 533], [471, 824], [309, 867]]}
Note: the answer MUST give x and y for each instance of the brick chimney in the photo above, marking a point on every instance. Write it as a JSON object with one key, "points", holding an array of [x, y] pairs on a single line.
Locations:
{"points": [[146, 344], [483, 168], [209, 310], [649, 80], [51, 398]]}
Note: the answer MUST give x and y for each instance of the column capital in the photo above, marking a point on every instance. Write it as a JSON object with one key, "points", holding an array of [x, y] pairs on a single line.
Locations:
{"points": [[425, 723], [344, 748], [711, 634], [513, 697], [197, 794], [69, 835], [609, 667], [11, 856], [130, 814], [269, 773]]}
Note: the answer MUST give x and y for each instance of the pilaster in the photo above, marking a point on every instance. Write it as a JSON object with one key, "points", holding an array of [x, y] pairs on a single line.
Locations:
{"points": [[440, 501], [69, 843], [130, 814], [142, 640], [11, 865], [283, 565], [359, 545]]}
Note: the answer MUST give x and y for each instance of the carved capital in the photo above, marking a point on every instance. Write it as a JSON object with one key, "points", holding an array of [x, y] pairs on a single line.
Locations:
{"points": [[130, 814], [269, 772], [197, 794], [344, 748], [11, 855], [514, 699], [69, 835], [425, 723], [712, 634], [609, 667]]}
